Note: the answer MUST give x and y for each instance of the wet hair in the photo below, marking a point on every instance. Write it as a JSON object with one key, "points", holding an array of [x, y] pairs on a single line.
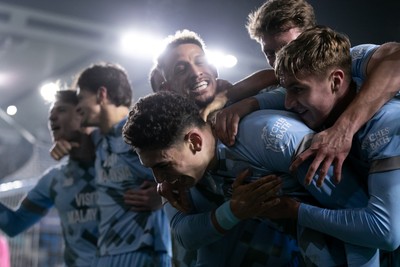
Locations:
{"points": [[67, 96], [159, 120], [179, 38], [314, 52], [111, 76], [276, 16]]}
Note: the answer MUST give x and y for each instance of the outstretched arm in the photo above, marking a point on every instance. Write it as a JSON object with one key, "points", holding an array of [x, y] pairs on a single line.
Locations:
{"points": [[381, 84], [252, 85], [15, 222]]}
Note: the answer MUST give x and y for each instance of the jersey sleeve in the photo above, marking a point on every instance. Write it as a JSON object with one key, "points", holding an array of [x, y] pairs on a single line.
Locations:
{"points": [[360, 56], [375, 225], [192, 231], [35, 205], [42, 194], [380, 137], [274, 99], [15, 222]]}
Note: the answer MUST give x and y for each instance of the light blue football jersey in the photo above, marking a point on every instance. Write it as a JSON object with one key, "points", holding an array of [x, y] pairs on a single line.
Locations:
{"points": [[122, 230], [70, 188]]}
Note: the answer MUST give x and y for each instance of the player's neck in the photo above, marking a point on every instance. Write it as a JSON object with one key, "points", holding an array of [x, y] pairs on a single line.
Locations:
{"points": [[214, 144], [111, 116], [342, 103]]}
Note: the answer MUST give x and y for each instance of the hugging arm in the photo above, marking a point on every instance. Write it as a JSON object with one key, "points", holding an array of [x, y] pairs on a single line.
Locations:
{"points": [[381, 83], [195, 230], [375, 225]]}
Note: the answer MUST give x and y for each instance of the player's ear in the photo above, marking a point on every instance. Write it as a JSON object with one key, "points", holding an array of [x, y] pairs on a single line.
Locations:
{"points": [[195, 141], [337, 80], [165, 86], [101, 94]]}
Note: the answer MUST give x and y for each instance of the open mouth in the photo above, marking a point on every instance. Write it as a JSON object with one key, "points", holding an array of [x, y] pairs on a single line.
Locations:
{"points": [[200, 87], [54, 128]]}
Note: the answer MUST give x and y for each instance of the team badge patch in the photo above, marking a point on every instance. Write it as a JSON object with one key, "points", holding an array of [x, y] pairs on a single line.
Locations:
{"points": [[274, 135]]}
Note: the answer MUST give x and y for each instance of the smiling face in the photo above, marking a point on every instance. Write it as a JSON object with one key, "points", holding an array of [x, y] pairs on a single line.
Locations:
{"points": [[176, 164], [311, 96], [64, 121], [189, 73]]}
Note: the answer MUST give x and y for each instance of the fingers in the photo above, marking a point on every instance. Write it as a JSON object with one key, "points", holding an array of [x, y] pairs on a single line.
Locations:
{"points": [[300, 159], [61, 148], [227, 123], [311, 171], [133, 197], [177, 197], [321, 164], [283, 208], [268, 188], [337, 169], [241, 177], [204, 114], [147, 184], [220, 126], [323, 170], [74, 144], [232, 130], [135, 202], [269, 204]]}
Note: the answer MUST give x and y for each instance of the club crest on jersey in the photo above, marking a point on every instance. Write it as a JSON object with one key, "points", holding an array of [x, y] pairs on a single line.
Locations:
{"points": [[274, 135]]}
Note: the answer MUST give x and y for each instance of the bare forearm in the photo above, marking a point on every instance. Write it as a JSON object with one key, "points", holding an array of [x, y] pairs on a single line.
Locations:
{"points": [[381, 85], [252, 84], [369, 102]]}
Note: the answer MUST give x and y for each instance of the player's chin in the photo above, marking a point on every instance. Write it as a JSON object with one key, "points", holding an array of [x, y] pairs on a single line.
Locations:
{"points": [[204, 100]]}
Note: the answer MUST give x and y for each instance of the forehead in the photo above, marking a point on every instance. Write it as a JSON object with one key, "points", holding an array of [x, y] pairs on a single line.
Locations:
{"points": [[301, 79], [59, 104], [278, 40], [183, 52]]}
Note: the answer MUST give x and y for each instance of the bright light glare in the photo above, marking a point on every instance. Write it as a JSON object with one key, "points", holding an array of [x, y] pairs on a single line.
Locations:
{"points": [[220, 60], [4, 78], [140, 44], [230, 61], [11, 110], [48, 91], [10, 186]]}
